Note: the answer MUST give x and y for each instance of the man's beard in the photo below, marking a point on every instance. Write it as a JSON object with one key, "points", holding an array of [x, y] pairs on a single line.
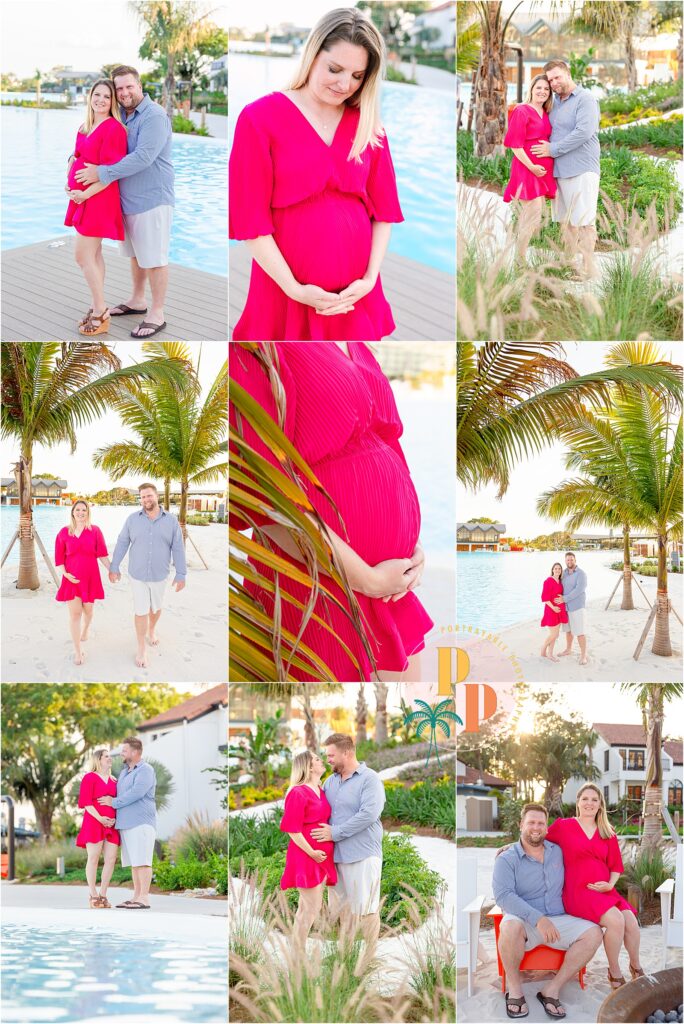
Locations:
{"points": [[538, 841]]}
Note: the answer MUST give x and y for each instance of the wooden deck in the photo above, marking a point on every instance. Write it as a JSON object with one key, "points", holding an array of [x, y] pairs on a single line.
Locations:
{"points": [[423, 300], [44, 296]]}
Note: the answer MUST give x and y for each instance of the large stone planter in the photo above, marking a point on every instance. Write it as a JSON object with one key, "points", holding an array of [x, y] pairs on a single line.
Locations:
{"points": [[635, 1001]]}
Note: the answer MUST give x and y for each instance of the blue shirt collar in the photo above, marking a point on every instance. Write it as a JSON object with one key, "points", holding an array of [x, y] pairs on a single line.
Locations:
{"points": [[520, 850], [141, 108], [142, 512]]}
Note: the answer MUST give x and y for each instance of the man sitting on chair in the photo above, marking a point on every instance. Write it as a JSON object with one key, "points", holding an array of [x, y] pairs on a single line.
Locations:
{"points": [[528, 882]]}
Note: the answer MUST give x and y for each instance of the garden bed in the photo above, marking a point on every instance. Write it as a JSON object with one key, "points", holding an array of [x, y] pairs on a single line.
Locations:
{"points": [[660, 138]]}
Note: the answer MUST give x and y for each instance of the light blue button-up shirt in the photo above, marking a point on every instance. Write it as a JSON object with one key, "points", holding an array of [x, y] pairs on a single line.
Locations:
{"points": [[356, 803], [529, 888], [574, 588], [145, 176], [574, 136], [153, 543], [134, 800]]}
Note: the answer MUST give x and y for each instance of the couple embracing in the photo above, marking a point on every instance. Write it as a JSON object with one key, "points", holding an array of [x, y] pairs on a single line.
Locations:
{"points": [[120, 186], [564, 596], [556, 887], [335, 839]]}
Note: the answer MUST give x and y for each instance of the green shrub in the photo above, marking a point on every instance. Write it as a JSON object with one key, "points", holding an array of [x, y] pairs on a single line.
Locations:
{"points": [[184, 873], [660, 95], [37, 859], [261, 835], [665, 133], [427, 803], [199, 838], [184, 126], [509, 816], [645, 869]]}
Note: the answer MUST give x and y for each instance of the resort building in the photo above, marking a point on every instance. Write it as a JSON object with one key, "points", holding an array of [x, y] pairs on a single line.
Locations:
{"points": [[544, 36], [435, 29], [188, 739], [43, 492], [477, 808], [620, 756], [479, 536]]}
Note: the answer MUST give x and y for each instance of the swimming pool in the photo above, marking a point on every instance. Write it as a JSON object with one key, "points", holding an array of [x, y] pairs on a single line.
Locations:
{"points": [[421, 127], [35, 148], [75, 975]]}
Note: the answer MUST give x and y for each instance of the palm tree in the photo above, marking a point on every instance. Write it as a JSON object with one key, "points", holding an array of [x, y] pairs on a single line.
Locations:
{"points": [[381, 722], [468, 39], [651, 699], [179, 436], [433, 717], [50, 390], [617, 19], [490, 81], [361, 716], [512, 398], [557, 759]]}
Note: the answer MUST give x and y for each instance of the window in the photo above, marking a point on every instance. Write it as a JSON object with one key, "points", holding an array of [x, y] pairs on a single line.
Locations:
{"points": [[636, 760], [606, 760], [606, 792], [674, 794], [623, 754], [635, 792]]}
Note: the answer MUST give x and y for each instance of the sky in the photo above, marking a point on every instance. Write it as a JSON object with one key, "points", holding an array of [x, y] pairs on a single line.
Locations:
{"points": [[45, 33], [531, 477], [77, 469], [606, 702]]}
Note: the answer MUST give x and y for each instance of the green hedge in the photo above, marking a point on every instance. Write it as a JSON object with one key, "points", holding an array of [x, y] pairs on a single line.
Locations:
{"points": [[429, 803], [660, 95], [665, 134], [190, 873]]}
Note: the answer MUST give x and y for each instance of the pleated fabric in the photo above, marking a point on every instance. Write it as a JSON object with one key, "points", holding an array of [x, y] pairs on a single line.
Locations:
{"points": [[319, 206], [342, 418]]}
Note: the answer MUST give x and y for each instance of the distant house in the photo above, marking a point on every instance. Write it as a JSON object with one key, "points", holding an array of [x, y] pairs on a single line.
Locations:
{"points": [[479, 536], [187, 739], [75, 83], [620, 756], [544, 39], [43, 492], [442, 20], [204, 499], [474, 803]]}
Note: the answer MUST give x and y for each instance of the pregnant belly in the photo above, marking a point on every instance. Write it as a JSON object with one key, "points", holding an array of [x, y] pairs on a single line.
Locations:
{"points": [[375, 496], [328, 848], [77, 165], [325, 240]]}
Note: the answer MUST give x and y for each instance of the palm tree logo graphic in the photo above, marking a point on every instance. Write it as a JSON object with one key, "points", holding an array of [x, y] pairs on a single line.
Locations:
{"points": [[433, 717]]}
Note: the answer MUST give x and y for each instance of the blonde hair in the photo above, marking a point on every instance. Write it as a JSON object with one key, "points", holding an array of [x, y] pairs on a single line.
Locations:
{"points": [[301, 766], [96, 757], [114, 110], [548, 102], [72, 524], [348, 25], [606, 830]]}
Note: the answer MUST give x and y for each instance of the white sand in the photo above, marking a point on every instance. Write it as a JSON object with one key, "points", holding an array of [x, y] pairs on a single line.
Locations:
{"points": [[612, 637], [487, 1003], [36, 644]]}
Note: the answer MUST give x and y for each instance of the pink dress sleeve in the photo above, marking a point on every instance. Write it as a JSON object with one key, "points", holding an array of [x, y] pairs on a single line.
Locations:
{"points": [[114, 143], [86, 793], [546, 591], [100, 544], [382, 186], [517, 126], [614, 857], [250, 181], [60, 547], [293, 815], [555, 832]]}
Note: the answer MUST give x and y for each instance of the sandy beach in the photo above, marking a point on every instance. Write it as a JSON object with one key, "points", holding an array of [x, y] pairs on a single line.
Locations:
{"points": [[36, 646], [612, 637]]}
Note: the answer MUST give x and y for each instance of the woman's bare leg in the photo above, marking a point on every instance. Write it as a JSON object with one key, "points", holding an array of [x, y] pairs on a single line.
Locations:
{"points": [[75, 612], [553, 636], [529, 222], [111, 852], [632, 938], [94, 850], [88, 255], [614, 923], [88, 607], [310, 904]]}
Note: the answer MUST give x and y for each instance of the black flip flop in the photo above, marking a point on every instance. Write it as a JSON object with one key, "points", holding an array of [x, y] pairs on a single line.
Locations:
{"points": [[138, 906], [516, 1001], [157, 329], [127, 310], [554, 1002]]}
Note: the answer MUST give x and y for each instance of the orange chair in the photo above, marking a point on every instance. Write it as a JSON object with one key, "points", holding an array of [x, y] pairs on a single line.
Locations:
{"points": [[541, 958]]}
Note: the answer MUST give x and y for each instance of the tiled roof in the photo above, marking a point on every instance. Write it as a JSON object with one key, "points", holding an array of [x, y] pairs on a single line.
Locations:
{"points": [[473, 775], [499, 527], [674, 749], [195, 707], [632, 735]]}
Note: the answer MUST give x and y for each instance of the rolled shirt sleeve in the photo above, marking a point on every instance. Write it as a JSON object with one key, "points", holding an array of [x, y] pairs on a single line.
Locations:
{"points": [[371, 805]]}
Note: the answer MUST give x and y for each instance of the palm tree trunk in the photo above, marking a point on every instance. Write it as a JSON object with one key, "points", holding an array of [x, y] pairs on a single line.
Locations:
{"points": [[380, 713], [661, 640], [627, 602], [652, 833], [309, 725], [28, 569], [170, 84], [167, 493], [183, 511], [490, 87], [654, 717], [361, 716], [630, 59]]}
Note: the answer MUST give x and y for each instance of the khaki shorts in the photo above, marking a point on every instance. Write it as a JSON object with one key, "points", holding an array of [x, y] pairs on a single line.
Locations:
{"points": [[147, 236], [568, 927], [576, 623], [137, 846], [147, 597], [576, 199], [358, 886]]}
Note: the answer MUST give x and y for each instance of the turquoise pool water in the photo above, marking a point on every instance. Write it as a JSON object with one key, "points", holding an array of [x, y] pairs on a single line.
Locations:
{"points": [[80, 975], [421, 127], [35, 148]]}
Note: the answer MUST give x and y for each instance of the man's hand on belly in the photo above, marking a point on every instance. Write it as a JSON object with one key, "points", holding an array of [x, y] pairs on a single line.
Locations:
{"points": [[322, 834]]}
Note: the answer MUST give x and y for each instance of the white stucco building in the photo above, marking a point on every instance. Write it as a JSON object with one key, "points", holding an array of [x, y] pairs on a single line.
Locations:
{"points": [[441, 18], [620, 756], [187, 739], [476, 809]]}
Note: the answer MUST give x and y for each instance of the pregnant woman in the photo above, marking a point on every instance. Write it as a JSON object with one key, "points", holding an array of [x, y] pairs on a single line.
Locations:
{"points": [[97, 831], [593, 864], [78, 547], [309, 865], [554, 610], [341, 416], [532, 177], [95, 211], [313, 192]]}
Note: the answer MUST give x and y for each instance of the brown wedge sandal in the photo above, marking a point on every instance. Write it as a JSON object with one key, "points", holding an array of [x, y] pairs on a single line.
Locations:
{"points": [[95, 902], [86, 318], [636, 972], [616, 982], [95, 325], [104, 903]]}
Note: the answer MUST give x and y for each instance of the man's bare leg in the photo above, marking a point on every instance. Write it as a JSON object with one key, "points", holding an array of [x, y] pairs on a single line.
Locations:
{"points": [[577, 955], [140, 631], [568, 646], [159, 280], [583, 650], [570, 235], [511, 951], [139, 278], [587, 243], [144, 883], [135, 872], [153, 619]]}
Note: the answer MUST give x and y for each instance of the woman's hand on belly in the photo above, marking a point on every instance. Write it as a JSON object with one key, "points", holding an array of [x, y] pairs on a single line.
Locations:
{"points": [[391, 578], [600, 886], [325, 303], [418, 564]]}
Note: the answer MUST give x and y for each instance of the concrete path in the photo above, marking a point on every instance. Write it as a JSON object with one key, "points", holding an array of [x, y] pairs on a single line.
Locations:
{"points": [[428, 77], [217, 124], [75, 897]]}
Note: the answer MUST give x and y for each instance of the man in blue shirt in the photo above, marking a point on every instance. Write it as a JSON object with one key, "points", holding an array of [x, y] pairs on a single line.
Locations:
{"points": [[527, 883], [145, 179], [574, 597], [357, 796], [155, 539], [136, 820], [575, 149]]}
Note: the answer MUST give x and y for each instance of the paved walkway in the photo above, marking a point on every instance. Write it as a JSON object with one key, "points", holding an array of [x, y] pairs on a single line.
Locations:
{"points": [[217, 124], [429, 78], [75, 897], [423, 299], [44, 296]]}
